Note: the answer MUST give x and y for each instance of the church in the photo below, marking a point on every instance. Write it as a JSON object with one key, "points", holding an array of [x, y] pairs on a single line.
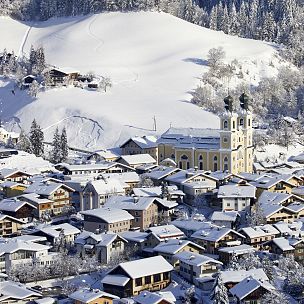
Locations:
{"points": [[228, 148]]}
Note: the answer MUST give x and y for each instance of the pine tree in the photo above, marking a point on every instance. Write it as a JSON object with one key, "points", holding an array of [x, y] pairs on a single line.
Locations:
{"points": [[36, 139], [64, 146], [164, 190], [219, 293], [56, 150], [34, 89], [24, 143]]}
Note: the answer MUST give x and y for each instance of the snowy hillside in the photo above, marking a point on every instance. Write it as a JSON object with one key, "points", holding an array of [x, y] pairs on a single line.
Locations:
{"points": [[153, 59]]}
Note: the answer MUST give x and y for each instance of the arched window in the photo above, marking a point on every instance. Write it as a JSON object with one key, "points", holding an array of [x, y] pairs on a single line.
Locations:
{"points": [[226, 163], [173, 156], [225, 124], [200, 157], [184, 157], [241, 122], [215, 163], [201, 165]]}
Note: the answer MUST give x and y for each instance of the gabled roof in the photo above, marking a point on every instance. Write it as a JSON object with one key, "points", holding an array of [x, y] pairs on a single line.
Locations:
{"points": [[229, 216], [104, 186], [88, 295], [259, 231], [173, 246], [166, 231], [236, 276], [14, 245], [13, 205], [282, 243], [54, 230], [248, 286], [195, 259], [6, 172], [145, 267], [161, 172], [241, 249], [109, 215], [17, 291], [147, 297], [135, 236], [235, 190], [129, 203], [46, 188], [137, 159], [268, 182], [144, 142], [214, 233]]}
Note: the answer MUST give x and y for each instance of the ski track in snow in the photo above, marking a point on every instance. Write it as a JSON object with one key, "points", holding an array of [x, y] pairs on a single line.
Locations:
{"points": [[91, 34], [25, 37]]}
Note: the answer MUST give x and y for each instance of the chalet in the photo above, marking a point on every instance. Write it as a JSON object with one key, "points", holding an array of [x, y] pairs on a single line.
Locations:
{"points": [[250, 290], [166, 232], [92, 296], [130, 278], [54, 234], [293, 230], [227, 253], [193, 265], [103, 155], [136, 160], [165, 297], [97, 192], [143, 209], [63, 76], [229, 219], [214, 237], [171, 248], [93, 169], [9, 225], [256, 236], [236, 197], [27, 81], [189, 226], [16, 252], [272, 184], [107, 219], [13, 292], [14, 175], [130, 178], [105, 246], [158, 174], [12, 189], [21, 210], [7, 137], [56, 192], [136, 239], [140, 145]]}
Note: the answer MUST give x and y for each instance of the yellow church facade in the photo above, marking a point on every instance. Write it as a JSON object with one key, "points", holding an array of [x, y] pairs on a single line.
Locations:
{"points": [[228, 148]]}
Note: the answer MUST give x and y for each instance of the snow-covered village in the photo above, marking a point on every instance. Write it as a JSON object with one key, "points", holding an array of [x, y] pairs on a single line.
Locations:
{"points": [[151, 151]]}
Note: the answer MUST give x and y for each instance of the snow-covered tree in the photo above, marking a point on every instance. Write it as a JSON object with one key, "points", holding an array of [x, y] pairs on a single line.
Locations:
{"points": [[34, 89], [190, 294], [24, 143], [274, 297], [145, 181], [105, 83], [64, 149], [249, 261], [215, 59], [256, 216], [56, 148], [219, 293], [36, 139], [164, 190]]}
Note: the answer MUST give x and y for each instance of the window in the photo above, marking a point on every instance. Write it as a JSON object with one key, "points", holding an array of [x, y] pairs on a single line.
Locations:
{"points": [[248, 122], [225, 139], [148, 280], [225, 124], [184, 157], [138, 282], [233, 124], [166, 275], [241, 122], [226, 163], [157, 277], [215, 163]]}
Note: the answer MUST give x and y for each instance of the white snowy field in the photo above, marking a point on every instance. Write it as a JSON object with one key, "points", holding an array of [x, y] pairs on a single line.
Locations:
{"points": [[153, 59]]}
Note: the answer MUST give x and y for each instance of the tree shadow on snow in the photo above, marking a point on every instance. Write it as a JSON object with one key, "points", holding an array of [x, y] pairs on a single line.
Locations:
{"points": [[198, 61]]}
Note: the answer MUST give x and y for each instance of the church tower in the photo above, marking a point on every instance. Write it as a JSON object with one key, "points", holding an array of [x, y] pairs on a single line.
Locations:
{"points": [[245, 126]]}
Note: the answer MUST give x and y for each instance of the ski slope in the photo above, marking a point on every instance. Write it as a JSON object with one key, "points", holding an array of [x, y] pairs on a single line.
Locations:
{"points": [[153, 59]]}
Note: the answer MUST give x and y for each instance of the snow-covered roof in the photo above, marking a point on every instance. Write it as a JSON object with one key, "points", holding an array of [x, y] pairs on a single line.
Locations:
{"points": [[46, 188], [7, 172], [259, 231], [227, 191], [191, 224], [161, 172], [4, 216], [109, 215], [147, 297], [241, 249], [249, 285], [173, 246], [282, 243], [214, 233], [129, 203], [54, 230], [135, 236], [275, 198], [14, 245], [195, 259], [125, 177], [268, 182], [117, 280], [166, 231], [136, 159], [104, 186], [100, 166], [88, 295], [298, 191], [106, 154], [154, 191], [236, 276], [229, 216], [145, 267], [13, 205], [16, 291], [34, 198], [144, 142], [109, 238]]}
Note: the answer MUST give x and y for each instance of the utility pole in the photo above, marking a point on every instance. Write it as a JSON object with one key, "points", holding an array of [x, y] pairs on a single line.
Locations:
{"points": [[154, 123]]}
